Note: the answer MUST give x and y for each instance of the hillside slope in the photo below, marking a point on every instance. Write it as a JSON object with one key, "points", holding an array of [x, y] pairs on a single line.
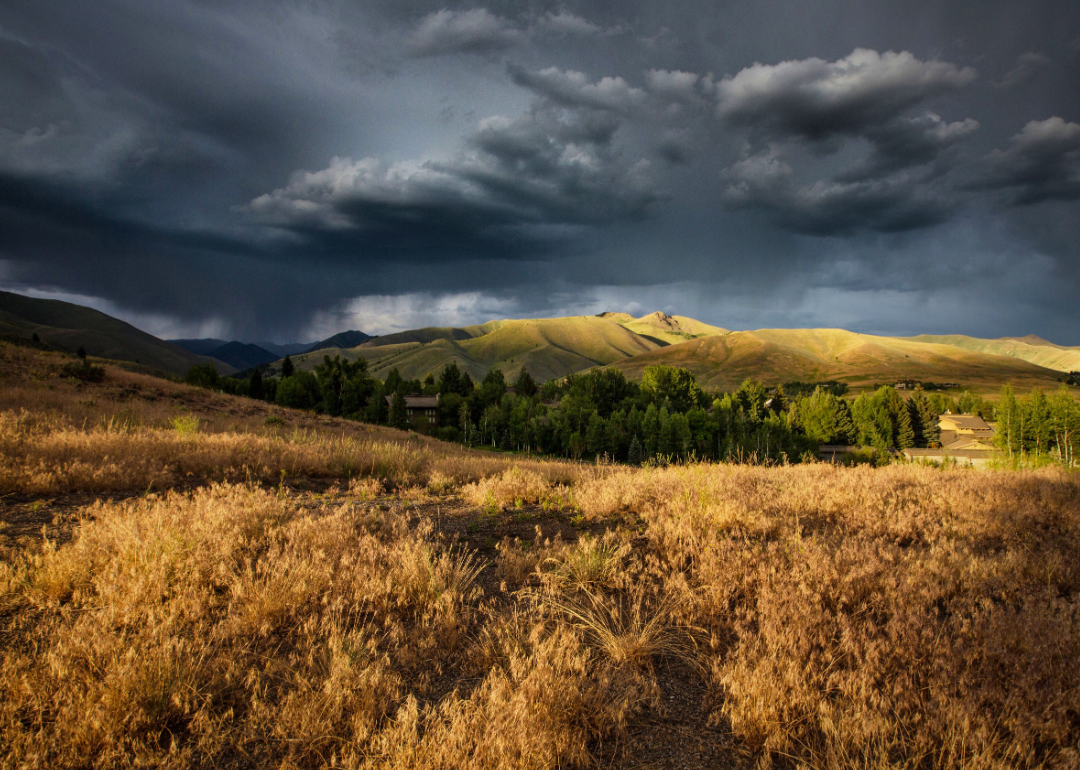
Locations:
{"points": [[1031, 349], [773, 356], [665, 329], [68, 327], [549, 348]]}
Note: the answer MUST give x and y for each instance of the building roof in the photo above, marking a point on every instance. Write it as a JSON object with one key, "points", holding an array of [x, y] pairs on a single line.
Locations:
{"points": [[969, 442], [417, 402], [966, 422]]}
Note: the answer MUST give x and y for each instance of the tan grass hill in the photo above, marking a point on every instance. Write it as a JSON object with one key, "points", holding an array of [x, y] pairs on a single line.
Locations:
{"points": [[1032, 349], [68, 327], [548, 347], [773, 356]]}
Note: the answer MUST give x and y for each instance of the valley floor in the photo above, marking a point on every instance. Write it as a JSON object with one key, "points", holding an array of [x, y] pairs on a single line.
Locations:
{"points": [[193, 580]]}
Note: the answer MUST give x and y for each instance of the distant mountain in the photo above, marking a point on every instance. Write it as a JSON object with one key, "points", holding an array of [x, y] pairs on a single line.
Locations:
{"points": [[548, 347], [343, 340], [663, 328], [1033, 349], [773, 356], [287, 348], [199, 347], [68, 326], [243, 355]]}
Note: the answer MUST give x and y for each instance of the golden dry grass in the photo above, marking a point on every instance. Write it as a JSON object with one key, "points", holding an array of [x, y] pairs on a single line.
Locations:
{"points": [[904, 617]]}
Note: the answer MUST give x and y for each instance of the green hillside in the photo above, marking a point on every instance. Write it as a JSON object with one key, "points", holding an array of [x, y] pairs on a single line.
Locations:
{"points": [[554, 347], [547, 347], [773, 356], [665, 329], [68, 327], [1031, 349]]}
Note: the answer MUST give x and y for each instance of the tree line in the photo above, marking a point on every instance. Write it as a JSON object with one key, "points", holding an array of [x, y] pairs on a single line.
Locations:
{"points": [[665, 417]]}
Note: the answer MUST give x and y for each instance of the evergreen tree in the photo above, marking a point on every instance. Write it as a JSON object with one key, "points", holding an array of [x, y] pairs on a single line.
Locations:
{"points": [[255, 385], [399, 416], [525, 385], [450, 379], [466, 384], [634, 456], [375, 411], [81, 352], [925, 420], [394, 382], [287, 367], [905, 432], [845, 425]]}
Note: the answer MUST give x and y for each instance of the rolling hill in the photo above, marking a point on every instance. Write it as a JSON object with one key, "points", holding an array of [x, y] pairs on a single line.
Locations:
{"points": [[68, 326], [548, 347], [773, 356], [665, 329], [554, 347], [1032, 349]]}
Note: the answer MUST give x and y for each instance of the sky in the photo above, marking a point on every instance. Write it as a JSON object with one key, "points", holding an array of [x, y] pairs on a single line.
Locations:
{"points": [[284, 171]]}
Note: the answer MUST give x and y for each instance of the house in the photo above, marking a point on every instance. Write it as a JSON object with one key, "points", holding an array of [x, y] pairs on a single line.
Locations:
{"points": [[422, 411], [965, 439], [965, 431]]}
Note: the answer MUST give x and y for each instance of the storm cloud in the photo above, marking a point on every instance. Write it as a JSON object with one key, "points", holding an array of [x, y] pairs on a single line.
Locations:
{"points": [[284, 170]]}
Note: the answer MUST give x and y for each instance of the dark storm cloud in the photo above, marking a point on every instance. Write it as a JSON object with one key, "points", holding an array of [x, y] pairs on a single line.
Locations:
{"points": [[1042, 163], [826, 106], [520, 188], [262, 163], [1027, 65], [817, 99], [894, 204], [473, 31]]}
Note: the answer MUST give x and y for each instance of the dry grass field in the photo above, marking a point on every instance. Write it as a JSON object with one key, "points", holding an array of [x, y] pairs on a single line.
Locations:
{"points": [[194, 580]]}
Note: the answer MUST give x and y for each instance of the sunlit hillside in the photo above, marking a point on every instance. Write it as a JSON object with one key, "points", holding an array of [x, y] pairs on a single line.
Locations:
{"points": [[1031, 349], [548, 347], [777, 355]]}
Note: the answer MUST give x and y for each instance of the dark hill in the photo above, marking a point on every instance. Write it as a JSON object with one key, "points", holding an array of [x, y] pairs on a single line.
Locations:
{"points": [[242, 355], [343, 340], [68, 327], [199, 347]]}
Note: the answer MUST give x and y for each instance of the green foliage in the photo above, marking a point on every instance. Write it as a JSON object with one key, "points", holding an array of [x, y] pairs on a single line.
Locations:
{"points": [[672, 386], [525, 385], [287, 367], [301, 391], [399, 416], [202, 375], [186, 424]]}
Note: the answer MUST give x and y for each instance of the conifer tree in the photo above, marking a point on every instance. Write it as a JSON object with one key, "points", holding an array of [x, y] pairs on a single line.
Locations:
{"points": [[845, 425], [81, 352], [634, 457], [255, 386], [905, 432], [525, 385], [399, 416], [287, 368], [450, 379]]}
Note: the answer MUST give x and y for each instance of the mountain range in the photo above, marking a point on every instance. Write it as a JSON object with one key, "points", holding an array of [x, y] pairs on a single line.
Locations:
{"points": [[555, 347], [245, 355]]}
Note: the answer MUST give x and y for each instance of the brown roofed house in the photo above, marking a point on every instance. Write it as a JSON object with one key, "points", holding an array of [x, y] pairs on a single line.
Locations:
{"points": [[965, 439], [422, 412]]}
